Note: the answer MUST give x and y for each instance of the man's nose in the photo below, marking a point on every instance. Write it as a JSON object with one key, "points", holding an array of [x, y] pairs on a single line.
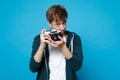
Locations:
{"points": [[62, 26]]}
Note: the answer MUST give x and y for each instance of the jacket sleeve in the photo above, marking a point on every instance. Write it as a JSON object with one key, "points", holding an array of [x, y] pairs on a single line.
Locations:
{"points": [[33, 65], [76, 61]]}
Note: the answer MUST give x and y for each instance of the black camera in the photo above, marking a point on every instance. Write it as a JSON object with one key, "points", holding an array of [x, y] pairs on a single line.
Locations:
{"points": [[54, 34]]}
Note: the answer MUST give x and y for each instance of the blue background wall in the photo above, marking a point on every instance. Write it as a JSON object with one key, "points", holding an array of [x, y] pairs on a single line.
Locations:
{"points": [[96, 21]]}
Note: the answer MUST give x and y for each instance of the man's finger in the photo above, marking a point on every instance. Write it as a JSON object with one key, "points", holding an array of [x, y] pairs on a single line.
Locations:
{"points": [[42, 31]]}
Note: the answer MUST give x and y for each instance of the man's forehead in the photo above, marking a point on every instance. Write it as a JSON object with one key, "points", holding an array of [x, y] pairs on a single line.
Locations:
{"points": [[60, 22]]}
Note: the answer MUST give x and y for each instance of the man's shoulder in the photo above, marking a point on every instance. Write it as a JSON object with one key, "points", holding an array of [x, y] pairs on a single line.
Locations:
{"points": [[72, 33], [37, 37]]}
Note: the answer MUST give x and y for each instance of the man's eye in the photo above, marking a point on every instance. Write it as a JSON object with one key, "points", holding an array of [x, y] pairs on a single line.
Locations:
{"points": [[57, 24], [64, 23]]}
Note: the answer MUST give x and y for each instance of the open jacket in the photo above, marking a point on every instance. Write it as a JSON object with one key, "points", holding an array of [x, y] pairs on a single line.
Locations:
{"points": [[72, 65]]}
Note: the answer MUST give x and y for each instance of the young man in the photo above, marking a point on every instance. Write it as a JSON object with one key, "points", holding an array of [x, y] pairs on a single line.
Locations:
{"points": [[56, 59]]}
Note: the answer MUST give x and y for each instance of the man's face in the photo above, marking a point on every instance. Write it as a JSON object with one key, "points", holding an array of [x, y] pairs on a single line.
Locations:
{"points": [[58, 26]]}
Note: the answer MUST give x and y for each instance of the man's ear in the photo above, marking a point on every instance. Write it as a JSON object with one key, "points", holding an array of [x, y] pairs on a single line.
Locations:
{"points": [[49, 23]]}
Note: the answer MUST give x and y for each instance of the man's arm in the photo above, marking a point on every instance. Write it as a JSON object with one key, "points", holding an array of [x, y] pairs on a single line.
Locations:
{"points": [[34, 63], [76, 60], [37, 50], [66, 51], [38, 55]]}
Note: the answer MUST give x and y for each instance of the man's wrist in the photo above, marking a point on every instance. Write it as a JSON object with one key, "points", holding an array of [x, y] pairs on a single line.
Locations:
{"points": [[42, 46], [66, 51], [62, 45]]}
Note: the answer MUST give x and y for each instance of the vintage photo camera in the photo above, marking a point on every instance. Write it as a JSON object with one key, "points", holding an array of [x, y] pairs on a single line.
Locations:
{"points": [[54, 34]]}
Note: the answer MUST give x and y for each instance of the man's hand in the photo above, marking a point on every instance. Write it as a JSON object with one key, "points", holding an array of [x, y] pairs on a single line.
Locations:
{"points": [[45, 38]]}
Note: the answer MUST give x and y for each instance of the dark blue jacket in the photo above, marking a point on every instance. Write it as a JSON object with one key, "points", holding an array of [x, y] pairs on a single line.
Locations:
{"points": [[72, 65]]}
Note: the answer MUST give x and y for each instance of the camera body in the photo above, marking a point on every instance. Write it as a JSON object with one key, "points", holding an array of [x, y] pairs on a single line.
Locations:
{"points": [[54, 34]]}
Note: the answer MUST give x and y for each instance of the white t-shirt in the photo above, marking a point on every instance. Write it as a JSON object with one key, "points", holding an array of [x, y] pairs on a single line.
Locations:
{"points": [[57, 63]]}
